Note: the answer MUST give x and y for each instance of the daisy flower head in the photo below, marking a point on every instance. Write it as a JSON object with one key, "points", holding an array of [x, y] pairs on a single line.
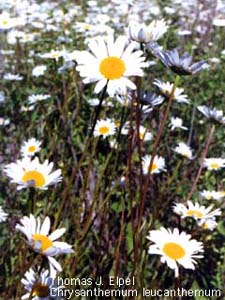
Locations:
{"points": [[3, 215], [175, 248], [104, 128], [30, 147], [31, 173], [53, 54], [180, 64], [214, 163], [184, 150], [41, 285], [166, 89], [213, 115], [211, 195], [39, 239], [36, 98], [176, 122], [39, 70], [11, 77], [110, 63], [195, 210], [142, 33], [157, 166], [149, 98], [209, 224]]}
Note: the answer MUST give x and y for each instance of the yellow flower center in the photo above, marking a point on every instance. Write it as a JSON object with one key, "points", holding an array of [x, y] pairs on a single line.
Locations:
{"points": [[34, 177], [41, 290], [104, 130], [154, 167], [174, 250], [141, 135], [195, 213], [208, 197], [31, 149], [44, 240], [5, 22], [112, 67], [215, 166]]}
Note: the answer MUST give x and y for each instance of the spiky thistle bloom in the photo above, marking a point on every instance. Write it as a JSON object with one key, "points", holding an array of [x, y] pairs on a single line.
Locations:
{"points": [[180, 64], [142, 33], [31, 173], [195, 210], [110, 63], [3, 215], [30, 147], [175, 248], [41, 285], [39, 239]]}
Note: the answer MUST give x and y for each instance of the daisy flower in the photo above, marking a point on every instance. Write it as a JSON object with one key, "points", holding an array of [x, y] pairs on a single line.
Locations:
{"points": [[157, 166], [176, 122], [143, 133], [3, 215], [166, 89], [41, 241], [6, 21], [179, 64], [31, 173], [209, 224], [209, 195], [145, 34], [54, 54], [195, 210], [213, 115], [184, 150], [39, 70], [104, 128], [110, 63], [214, 163], [12, 77], [41, 285], [30, 147], [35, 98], [175, 248]]}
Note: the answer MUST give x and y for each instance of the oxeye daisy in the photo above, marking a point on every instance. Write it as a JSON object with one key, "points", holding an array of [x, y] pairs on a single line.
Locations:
{"points": [[31, 173], [214, 163], [175, 248], [209, 195], [146, 34], [3, 215], [157, 166], [39, 70], [110, 63], [41, 285], [209, 224], [184, 150], [41, 241], [195, 210], [213, 115], [180, 64], [104, 128], [176, 122], [30, 147], [166, 89]]}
